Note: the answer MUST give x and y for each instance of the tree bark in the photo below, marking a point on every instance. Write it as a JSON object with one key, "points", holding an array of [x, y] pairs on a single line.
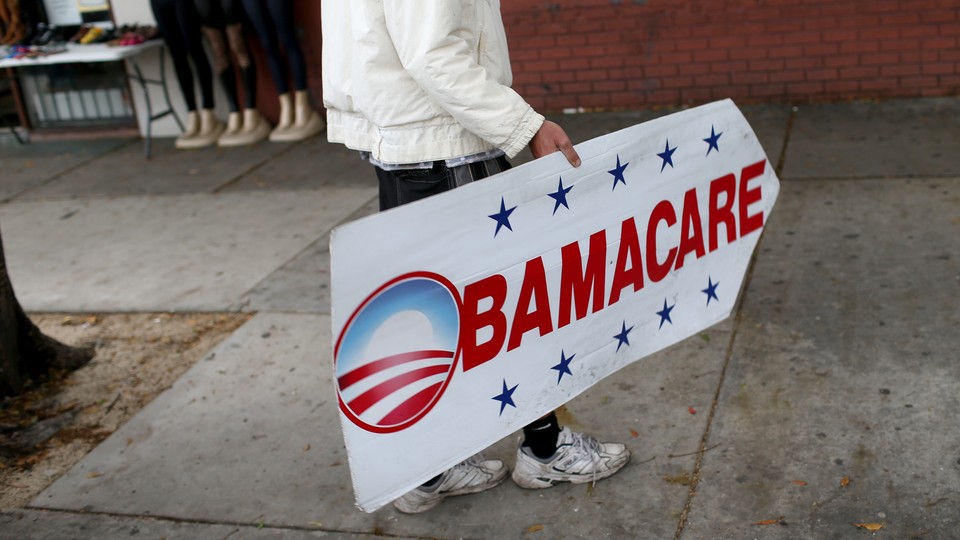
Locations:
{"points": [[25, 352]]}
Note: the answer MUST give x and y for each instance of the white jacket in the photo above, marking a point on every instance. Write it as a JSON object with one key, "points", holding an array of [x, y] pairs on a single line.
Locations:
{"points": [[413, 81]]}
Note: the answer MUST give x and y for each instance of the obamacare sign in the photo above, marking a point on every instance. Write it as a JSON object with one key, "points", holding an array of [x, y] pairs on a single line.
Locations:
{"points": [[461, 318]]}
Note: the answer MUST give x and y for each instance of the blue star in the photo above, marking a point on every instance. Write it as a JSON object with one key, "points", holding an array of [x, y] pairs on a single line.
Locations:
{"points": [[563, 366], [560, 195], [506, 397], [618, 173], [665, 313], [622, 336], [712, 140], [711, 290], [502, 217], [667, 156]]}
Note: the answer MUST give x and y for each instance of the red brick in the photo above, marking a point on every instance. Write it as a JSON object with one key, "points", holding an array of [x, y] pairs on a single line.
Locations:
{"points": [[899, 70], [709, 55], [786, 76], [827, 74], [766, 65], [751, 77], [660, 70], [919, 31], [567, 40], [802, 38], [900, 45], [728, 67], [939, 43], [676, 82], [859, 47], [576, 88], [841, 88], [824, 49], [877, 33], [940, 68], [785, 51], [591, 75], [805, 63], [918, 82], [859, 72], [713, 79], [841, 60], [939, 16], [885, 58], [609, 86]]}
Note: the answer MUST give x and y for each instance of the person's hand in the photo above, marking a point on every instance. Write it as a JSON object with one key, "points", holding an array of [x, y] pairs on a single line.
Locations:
{"points": [[550, 138]]}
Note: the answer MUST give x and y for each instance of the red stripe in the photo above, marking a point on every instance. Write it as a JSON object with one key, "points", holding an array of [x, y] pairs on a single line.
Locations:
{"points": [[367, 399], [349, 379], [410, 407]]}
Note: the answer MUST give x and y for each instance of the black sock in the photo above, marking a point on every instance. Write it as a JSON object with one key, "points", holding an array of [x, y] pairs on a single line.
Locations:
{"points": [[541, 436], [431, 482]]}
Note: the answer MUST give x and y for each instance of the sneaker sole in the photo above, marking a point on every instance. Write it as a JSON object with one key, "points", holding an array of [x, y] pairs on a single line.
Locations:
{"points": [[399, 504], [544, 482]]}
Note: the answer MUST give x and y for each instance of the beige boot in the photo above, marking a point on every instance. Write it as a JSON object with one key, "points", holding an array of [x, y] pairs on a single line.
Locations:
{"points": [[255, 129], [286, 118], [210, 130], [190, 131], [234, 127], [306, 122]]}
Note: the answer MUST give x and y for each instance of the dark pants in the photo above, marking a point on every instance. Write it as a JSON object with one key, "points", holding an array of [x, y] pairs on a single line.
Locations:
{"points": [[409, 185], [179, 24]]}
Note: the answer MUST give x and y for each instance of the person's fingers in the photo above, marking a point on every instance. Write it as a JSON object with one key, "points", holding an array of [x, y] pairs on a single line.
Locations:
{"points": [[550, 138], [571, 154]]}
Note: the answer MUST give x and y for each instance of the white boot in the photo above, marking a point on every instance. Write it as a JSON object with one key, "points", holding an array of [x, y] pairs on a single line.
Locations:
{"points": [[190, 131], [234, 126], [255, 129], [306, 123], [286, 118], [210, 130]]}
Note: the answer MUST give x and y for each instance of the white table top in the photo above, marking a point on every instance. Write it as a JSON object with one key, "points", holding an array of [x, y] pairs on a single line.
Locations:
{"points": [[78, 54]]}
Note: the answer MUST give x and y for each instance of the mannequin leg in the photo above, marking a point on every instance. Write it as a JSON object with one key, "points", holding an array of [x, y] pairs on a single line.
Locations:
{"points": [[185, 24], [174, 35], [274, 23], [254, 128]]}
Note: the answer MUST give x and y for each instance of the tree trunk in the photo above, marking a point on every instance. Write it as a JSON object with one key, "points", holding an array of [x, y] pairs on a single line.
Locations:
{"points": [[25, 352]]}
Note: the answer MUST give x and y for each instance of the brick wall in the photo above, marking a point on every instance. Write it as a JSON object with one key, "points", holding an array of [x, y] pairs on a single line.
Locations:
{"points": [[614, 54]]}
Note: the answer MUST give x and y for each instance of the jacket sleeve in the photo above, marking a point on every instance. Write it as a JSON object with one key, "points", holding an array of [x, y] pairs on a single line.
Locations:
{"points": [[441, 62]]}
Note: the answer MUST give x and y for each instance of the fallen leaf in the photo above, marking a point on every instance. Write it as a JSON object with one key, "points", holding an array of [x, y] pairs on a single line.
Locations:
{"points": [[799, 482], [634, 434], [768, 521], [869, 526], [845, 481], [534, 528], [691, 410], [94, 475]]}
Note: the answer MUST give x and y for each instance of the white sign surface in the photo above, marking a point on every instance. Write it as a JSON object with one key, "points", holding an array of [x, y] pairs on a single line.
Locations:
{"points": [[463, 317]]}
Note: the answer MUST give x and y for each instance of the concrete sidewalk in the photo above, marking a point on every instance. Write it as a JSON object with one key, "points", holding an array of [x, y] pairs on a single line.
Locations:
{"points": [[840, 360]]}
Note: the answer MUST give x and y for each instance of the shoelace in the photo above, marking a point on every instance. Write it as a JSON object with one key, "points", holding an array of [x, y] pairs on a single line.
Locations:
{"points": [[590, 445]]}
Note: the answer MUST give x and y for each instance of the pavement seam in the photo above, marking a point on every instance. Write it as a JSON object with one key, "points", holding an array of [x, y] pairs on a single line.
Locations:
{"points": [[243, 174], [67, 171], [193, 521], [728, 354], [244, 302], [782, 158]]}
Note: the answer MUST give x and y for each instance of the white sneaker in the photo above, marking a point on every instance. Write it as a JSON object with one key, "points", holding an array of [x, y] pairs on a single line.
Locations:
{"points": [[578, 459], [470, 476]]}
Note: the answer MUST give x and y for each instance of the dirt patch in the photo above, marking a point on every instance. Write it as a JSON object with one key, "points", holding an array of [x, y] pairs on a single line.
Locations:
{"points": [[48, 429]]}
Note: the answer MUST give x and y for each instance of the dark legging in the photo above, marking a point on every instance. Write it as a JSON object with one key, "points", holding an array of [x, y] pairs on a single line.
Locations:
{"points": [[273, 21], [226, 18], [179, 25]]}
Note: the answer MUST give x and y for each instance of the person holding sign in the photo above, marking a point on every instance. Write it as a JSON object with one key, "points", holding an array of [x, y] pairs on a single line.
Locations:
{"points": [[424, 94]]}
